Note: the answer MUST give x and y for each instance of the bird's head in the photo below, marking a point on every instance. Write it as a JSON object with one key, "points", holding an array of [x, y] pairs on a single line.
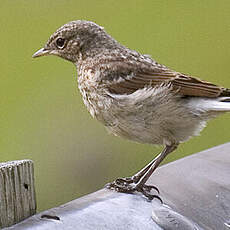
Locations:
{"points": [[75, 39]]}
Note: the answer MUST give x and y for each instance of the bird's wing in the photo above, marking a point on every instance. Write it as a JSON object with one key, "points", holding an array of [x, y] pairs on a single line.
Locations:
{"points": [[181, 84]]}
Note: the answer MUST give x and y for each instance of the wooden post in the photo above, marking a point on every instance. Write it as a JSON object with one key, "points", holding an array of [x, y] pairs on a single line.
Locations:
{"points": [[17, 193]]}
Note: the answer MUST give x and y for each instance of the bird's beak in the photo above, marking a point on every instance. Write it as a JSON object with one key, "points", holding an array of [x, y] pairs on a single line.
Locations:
{"points": [[41, 52]]}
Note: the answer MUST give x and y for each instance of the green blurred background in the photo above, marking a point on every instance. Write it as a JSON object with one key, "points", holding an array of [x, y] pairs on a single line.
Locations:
{"points": [[42, 115]]}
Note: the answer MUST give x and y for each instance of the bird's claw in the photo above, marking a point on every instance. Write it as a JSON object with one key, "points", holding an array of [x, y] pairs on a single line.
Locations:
{"points": [[146, 191], [127, 185]]}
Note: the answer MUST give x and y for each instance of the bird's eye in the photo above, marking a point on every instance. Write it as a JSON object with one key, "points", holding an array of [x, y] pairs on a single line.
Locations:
{"points": [[60, 42]]}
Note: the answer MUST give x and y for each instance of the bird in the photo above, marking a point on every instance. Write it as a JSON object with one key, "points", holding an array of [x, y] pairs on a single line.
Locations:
{"points": [[134, 96]]}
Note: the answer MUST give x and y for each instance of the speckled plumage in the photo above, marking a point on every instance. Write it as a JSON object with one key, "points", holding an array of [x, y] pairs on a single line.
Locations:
{"points": [[134, 96]]}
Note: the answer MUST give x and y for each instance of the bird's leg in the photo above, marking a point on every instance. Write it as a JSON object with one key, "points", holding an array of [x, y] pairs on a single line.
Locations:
{"points": [[142, 172], [141, 184], [137, 182], [135, 178]]}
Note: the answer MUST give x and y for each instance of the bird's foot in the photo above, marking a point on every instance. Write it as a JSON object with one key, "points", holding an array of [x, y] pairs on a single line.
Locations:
{"points": [[128, 185]]}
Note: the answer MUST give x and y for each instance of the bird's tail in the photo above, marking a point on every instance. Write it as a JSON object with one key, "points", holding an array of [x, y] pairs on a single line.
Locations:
{"points": [[225, 99], [219, 104]]}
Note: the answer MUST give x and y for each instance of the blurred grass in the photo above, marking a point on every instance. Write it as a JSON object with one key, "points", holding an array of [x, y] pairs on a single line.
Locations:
{"points": [[42, 115]]}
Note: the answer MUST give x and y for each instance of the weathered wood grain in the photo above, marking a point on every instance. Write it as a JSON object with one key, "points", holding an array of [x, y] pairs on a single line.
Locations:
{"points": [[17, 193]]}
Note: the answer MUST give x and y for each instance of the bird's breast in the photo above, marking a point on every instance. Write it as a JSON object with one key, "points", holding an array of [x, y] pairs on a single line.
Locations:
{"points": [[94, 97]]}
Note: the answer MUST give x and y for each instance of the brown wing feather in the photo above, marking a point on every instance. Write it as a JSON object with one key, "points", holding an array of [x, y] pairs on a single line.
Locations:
{"points": [[182, 84]]}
